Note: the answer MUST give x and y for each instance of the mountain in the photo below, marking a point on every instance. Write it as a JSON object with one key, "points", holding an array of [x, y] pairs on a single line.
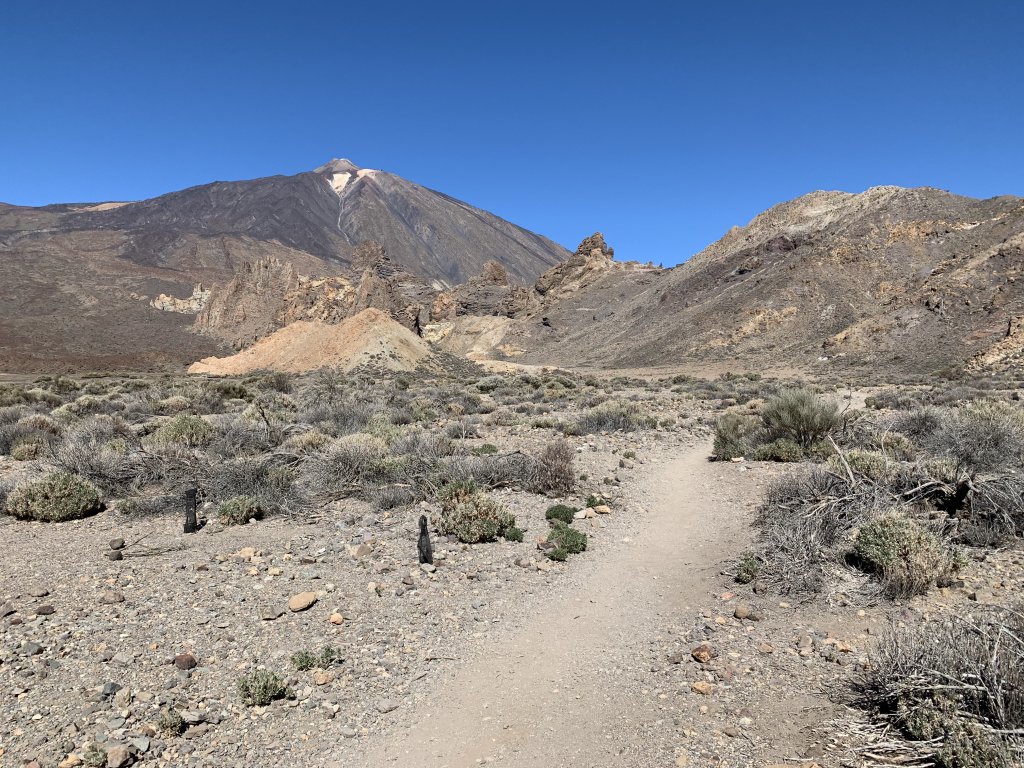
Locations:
{"points": [[108, 285], [891, 280]]}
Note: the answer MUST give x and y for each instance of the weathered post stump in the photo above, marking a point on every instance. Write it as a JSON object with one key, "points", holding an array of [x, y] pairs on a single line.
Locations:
{"points": [[191, 524]]}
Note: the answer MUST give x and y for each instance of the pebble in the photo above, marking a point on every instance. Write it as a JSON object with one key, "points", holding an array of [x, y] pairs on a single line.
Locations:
{"points": [[387, 705], [301, 601], [427, 567], [117, 543], [185, 661]]}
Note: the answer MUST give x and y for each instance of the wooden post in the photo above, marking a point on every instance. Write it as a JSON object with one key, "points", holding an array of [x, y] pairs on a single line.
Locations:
{"points": [[191, 524]]}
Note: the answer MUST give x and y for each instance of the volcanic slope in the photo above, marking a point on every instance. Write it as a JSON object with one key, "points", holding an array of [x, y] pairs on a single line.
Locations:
{"points": [[889, 280]]}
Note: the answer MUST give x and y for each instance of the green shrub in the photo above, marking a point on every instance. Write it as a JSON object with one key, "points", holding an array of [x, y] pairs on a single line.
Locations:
{"points": [[183, 430], [514, 534], [169, 722], [567, 540], [239, 511], [906, 558], [261, 687], [870, 464], [471, 516], [594, 501], [304, 660], [734, 435], [748, 567], [780, 449], [560, 512], [487, 449], [800, 415], [57, 497], [612, 416], [27, 448]]}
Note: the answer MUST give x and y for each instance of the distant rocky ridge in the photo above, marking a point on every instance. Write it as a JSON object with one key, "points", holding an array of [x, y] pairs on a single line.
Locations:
{"points": [[884, 283]]}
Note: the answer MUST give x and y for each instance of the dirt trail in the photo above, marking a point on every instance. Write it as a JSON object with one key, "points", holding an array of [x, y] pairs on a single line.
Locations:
{"points": [[552, 691]]}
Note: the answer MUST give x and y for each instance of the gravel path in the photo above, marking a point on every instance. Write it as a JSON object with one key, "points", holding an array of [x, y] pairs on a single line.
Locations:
{"points": [[554, 689]]}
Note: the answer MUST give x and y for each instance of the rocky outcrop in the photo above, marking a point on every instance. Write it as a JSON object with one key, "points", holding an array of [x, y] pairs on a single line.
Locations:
{"points": [[267, 295], [188, 306], [489, 294], [593, 259]]}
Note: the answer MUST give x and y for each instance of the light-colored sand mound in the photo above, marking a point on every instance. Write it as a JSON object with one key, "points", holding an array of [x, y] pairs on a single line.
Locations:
{"points": [[369, 338]]}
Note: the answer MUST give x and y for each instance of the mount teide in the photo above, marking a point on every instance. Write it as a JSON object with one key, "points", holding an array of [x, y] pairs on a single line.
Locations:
{"points": [[79, 277]]}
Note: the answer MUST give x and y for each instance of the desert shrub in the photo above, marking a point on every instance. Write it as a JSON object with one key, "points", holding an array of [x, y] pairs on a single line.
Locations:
{"points": [[906, 558], [567, 539], [920, 423], [490, 383], [735, 435], [512, 470], [261, 687], [560, 512], [54, 498], [894, 445], [229, 389], [514, 533], [306, 442], [29, 436], [182, 430], [349, 462], [471, 516], [556, 473], [781, 449], [800, 415], [748, 568], [278, 381], [462, 430], [104, 450], [266, 480], [612, 416], [984, 436], [169, 723], [239, 510], [956, 682], [487, 449], [173, 404], [304, 661], [870, 464], [892, 399]]}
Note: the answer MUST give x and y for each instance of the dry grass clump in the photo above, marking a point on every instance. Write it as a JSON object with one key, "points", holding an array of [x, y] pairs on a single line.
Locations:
{"points": [[556, 471], [957, 683]]}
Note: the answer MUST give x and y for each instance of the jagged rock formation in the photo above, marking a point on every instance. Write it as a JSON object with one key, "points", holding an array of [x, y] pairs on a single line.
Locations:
{"points": [[267, 295], [593, 259], [187, 306], [490, 293]]}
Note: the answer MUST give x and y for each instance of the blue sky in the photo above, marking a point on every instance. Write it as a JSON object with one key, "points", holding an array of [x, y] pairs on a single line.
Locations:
{"points": [[660, 124]]}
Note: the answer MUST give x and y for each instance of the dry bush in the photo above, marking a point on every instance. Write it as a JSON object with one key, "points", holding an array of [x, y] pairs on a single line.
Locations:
{"points": [[555, 469], [804, 526], [956, 682], [983, 436]]}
